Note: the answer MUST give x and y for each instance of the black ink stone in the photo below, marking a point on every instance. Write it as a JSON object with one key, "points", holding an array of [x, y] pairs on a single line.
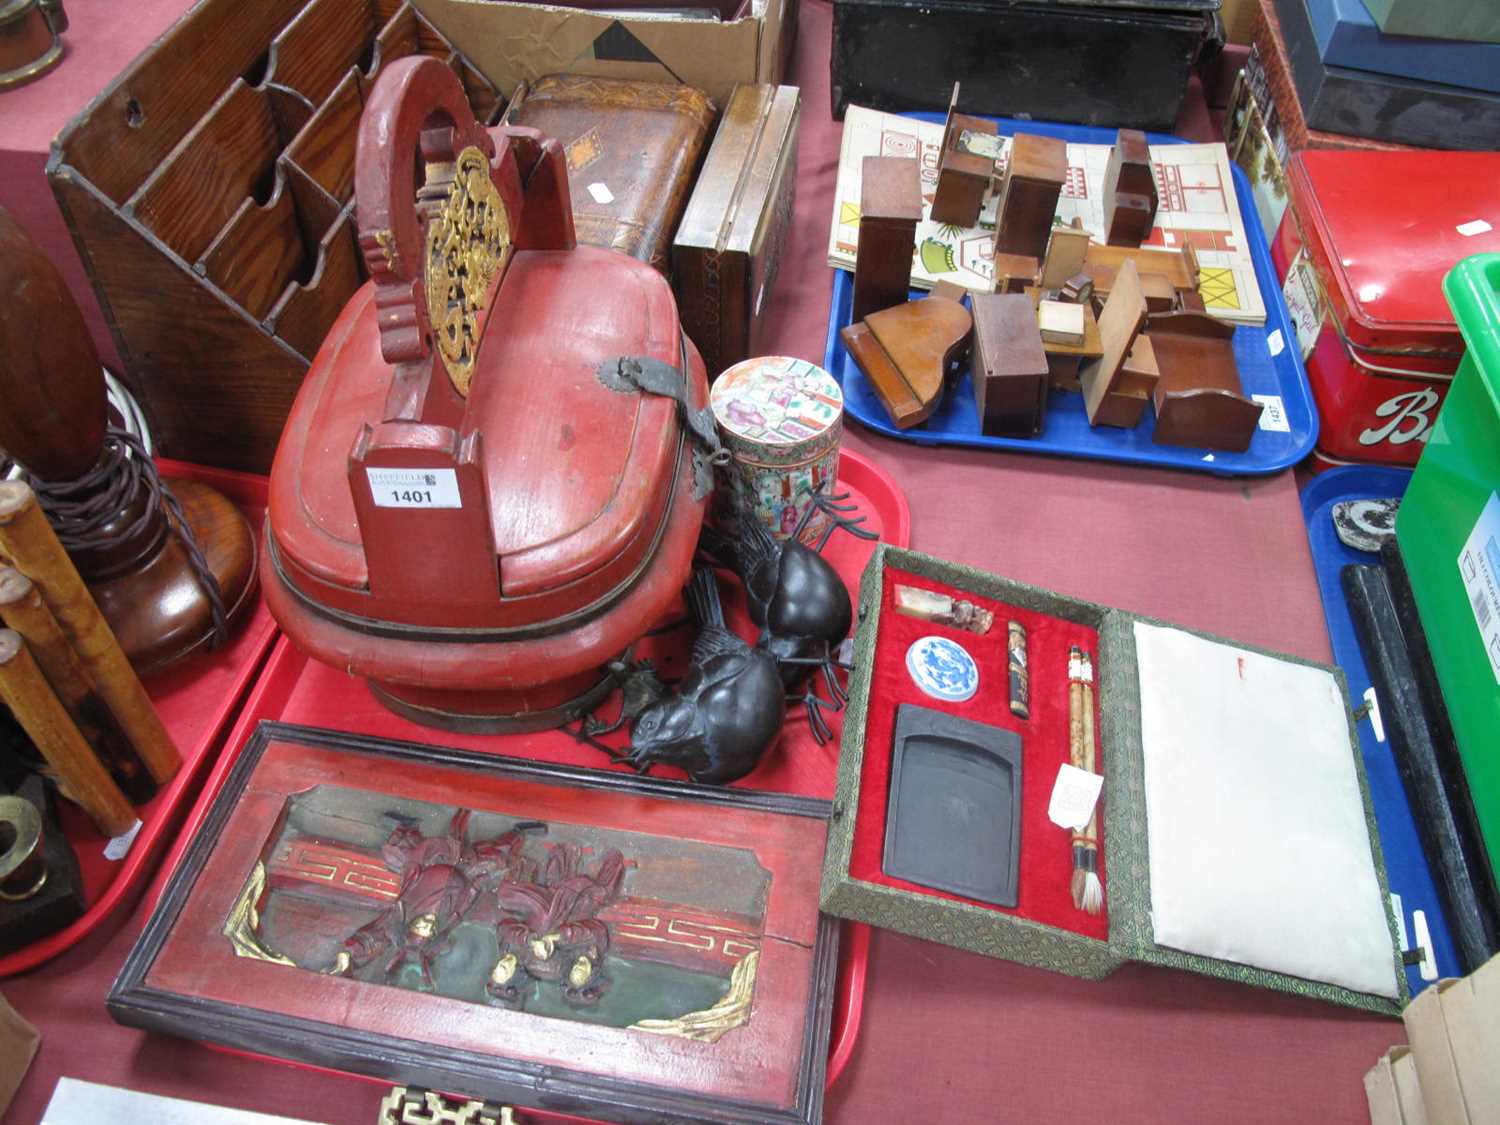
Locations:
{"points": [[954, 819]]}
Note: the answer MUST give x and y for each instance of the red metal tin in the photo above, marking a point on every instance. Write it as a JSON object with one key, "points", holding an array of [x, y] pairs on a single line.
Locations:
{"points": [[1375, 233]]}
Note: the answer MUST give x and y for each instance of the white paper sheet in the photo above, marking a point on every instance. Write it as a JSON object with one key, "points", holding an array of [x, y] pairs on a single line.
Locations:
{"points": [[1259, 850], [89, 1103]]}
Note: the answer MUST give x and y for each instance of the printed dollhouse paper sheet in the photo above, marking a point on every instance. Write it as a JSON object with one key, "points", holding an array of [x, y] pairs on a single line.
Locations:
{"points": [[1194, 184], [1258, 846]]}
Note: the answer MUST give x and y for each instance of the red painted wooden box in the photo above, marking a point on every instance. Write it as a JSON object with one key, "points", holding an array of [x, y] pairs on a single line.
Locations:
{"points": [[1366, 242], [473, 505]]}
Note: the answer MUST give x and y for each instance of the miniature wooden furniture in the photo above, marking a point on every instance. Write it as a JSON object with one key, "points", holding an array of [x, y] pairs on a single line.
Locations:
{"points": [[1111, 396], [1178, 267], [1079, 287], [1062, 322], [1066, 250], [1130, 198], [890, 205], [906, 353], [1135, 384], [1010, 369], [966, 165], [1161, 295], [727, 250], [117, 521], [1199, 399], [1064, 360], [1014, 273], [492, 481], [1034, 178]]}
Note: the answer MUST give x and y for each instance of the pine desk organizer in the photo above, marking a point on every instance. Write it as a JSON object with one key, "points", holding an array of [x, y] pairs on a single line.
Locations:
{"points": [[209, 190], [1046, 929]]}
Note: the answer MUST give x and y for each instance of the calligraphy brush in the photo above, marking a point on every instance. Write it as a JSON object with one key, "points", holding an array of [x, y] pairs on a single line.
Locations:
{"points": [[1088, 892], [1075, 754]]}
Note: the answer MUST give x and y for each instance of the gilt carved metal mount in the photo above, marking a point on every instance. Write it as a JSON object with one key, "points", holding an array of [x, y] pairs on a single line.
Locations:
{"points": [[468, 245]]}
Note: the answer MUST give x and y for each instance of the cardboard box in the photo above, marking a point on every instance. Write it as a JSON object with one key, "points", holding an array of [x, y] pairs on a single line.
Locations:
{"points": [[1454, 1029], [852, 889], [18, 1044], [1409, 1093], [1380, 1091], [515, 43], [1239, 20]]}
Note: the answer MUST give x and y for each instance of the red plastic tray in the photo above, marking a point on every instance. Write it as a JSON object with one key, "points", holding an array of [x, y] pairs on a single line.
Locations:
{"points": [[294, 689], [197, 699]]}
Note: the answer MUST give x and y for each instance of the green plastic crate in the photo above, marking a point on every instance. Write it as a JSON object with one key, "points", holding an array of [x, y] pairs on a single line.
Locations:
{"points": [[1449, 531]]}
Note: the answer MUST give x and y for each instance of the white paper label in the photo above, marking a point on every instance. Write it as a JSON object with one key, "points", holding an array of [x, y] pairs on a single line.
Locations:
{"points": [[1479, 566], [1273, 417], [1428, 968], [1473, 227], [1275, 343], [1374, 703], [414, 488], [119, 847], [601, 193], [1304, 302], [1074, 795]]}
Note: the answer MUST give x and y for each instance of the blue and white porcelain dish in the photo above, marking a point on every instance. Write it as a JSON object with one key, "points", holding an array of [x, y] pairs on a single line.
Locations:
{"points": [[943, 669]]}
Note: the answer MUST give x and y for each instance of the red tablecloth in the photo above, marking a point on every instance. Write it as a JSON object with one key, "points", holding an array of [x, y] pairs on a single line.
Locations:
{"points": [[947, 1036]]}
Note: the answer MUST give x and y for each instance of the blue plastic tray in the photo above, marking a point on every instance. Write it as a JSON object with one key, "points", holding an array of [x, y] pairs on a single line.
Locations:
{"points": [[1067, 431], [1405, 864]]}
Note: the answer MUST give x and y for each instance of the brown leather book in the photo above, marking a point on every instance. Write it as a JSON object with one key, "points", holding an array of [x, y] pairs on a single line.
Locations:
{"points": [[728, 246], [632, 148]]}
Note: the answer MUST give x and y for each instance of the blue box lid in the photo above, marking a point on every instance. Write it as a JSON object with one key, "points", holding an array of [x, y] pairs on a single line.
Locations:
{"points": [[1349, 37]]}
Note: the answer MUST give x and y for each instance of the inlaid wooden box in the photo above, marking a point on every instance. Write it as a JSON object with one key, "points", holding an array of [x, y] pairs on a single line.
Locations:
{"points": [[209, 191], [728, 245]]}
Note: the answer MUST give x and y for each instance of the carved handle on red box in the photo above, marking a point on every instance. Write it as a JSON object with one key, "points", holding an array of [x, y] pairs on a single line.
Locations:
{"points": [[436, 251]]}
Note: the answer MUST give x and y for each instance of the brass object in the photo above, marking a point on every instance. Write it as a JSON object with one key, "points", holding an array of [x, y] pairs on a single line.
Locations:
{"points": [[23, 871], [30, 39], [468, 244], [387, 243], [709, 1025], [427, 1107], [244, 919]]}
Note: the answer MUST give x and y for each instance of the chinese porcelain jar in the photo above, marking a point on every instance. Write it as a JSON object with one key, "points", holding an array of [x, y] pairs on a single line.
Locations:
{"points": [[781, 420]]}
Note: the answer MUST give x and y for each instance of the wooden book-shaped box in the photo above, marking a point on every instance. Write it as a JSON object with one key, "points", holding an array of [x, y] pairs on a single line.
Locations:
{"points": [[632, 150], [728, 247]]}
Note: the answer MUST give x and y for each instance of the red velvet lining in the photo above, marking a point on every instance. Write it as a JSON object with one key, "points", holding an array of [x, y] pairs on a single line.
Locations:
{"points": [[1046, 850]]}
